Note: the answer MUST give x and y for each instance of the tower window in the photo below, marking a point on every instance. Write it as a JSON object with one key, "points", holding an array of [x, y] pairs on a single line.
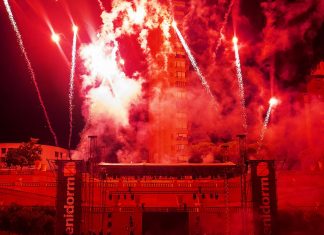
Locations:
{"points": [[181, 136], [180, 74], [180, 64]]}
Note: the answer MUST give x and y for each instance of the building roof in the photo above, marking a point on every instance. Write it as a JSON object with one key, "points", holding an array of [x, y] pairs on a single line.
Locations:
{"points": [[227, 169]]}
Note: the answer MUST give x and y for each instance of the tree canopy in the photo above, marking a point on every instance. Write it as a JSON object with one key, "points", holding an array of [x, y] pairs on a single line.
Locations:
{"points": [[27, 220], [26, 154]]}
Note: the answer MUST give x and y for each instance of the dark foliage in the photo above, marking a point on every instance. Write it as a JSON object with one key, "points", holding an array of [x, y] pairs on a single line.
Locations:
{"points": [[300, 222], [26, 154], [27, 220]]}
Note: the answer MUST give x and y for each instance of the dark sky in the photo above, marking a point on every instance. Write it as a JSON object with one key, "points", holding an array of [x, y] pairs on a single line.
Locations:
{"points": [[21, 113]]}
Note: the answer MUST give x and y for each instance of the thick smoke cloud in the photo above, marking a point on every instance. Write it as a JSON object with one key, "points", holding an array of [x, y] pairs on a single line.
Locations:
{"points": [[130, 51], [279, 45]]}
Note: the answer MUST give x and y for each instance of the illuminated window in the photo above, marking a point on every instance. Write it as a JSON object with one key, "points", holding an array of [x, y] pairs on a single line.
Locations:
{"points": [[181, 115], [181, 94], [180, 64], [180, 74], [182, 136], [181, 147], [180, 54], [181, 125], [181, 84]]}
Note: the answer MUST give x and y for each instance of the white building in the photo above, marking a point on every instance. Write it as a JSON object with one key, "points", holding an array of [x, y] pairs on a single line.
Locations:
{"points": [[48, 153]]}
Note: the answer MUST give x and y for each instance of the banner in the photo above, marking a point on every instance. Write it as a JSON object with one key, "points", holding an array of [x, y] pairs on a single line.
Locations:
{"points": [[264, 196], [68, 197]]}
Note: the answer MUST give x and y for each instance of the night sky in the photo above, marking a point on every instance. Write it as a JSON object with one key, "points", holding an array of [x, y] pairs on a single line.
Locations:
{"points": [[21, 114]]}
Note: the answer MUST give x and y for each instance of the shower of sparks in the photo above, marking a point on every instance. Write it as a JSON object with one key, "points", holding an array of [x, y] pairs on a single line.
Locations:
{"points": [[272, 103], [192, 60], [240, 82], [71, 90], [30, 68]]}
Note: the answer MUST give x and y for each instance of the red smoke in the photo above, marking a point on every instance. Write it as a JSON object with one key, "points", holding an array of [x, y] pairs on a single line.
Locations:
{"points": [[277, 56], [140, 34]]}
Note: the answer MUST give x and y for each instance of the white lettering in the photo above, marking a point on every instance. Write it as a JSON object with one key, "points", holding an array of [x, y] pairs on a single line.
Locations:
{"points": [[69, 205], [265, 207]]}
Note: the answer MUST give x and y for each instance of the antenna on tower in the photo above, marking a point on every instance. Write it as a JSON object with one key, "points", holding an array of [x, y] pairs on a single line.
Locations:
{"points": [[92, 148]]}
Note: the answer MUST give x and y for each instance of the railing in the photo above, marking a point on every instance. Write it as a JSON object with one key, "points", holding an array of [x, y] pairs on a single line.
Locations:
{"points": [[7, 171]]}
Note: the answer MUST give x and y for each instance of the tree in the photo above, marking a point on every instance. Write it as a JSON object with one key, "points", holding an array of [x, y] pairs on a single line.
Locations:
{"points": [[25, 154], [27, 220], [14, 159]]}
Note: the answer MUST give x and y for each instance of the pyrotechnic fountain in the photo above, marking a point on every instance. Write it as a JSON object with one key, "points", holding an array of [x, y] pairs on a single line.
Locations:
{"points": [[109, 92], [71, 88], [272, 103], [240, 82], [192, 60]]}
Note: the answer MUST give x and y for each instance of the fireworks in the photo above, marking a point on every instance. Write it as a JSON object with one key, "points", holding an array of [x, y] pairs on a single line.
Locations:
{"points": [[71, 89], [75, 29], [272, 103], [240, 82], [109, 91], [192, 60], [56, 38], [30, 68]]}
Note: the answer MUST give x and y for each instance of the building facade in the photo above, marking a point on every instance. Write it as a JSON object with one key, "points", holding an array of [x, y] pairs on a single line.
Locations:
{"points": [[49, 153], [314, 115], [170, 137]]}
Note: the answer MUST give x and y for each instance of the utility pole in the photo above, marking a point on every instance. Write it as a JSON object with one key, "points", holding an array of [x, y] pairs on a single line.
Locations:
{"points": [[243, 163]]}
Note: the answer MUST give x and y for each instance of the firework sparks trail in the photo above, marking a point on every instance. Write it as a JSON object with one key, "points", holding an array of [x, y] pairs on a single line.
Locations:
{"points": [[221, 34], [240, 82], [264, 128], [30, 68], [273, 102], [56, 38], [110, 94], [192, 60], [101, 5], [71, 90]]}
